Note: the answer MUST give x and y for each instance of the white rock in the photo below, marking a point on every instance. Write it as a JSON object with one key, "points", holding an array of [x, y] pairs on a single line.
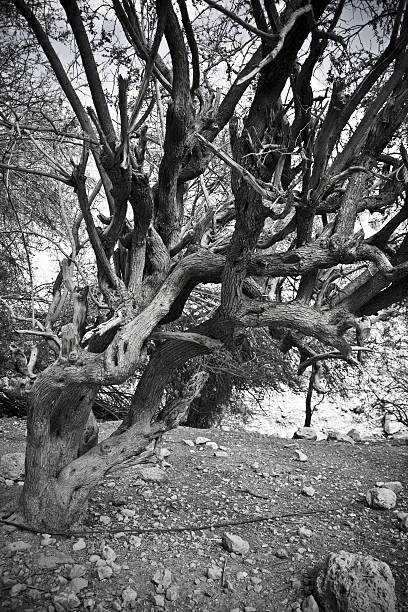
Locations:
{"points": [[105, 572], [158, 601], [309, 491], [212, 445], [12, 465], [304, 532], [18, 546], [234, 543], [394, 485], [201, 440], [305, 433], [220, 454], [80, 544], [152, 474], [135, 541], [214, 573], [188, 442], [300, 456], [391, 426], [382, 498], [78, 584], [108, 553], [172, 593], [129, 597], [105, 520], [354, 582], [128, 512], [94, 558]]}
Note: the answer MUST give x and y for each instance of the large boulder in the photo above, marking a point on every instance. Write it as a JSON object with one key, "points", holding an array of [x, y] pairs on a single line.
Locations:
{"points": [[305, 433], [12, 465], [382, 498], [351, 582]]}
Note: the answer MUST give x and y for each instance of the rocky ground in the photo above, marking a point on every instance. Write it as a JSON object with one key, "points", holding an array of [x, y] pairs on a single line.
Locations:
{"points": [[146, 545]]}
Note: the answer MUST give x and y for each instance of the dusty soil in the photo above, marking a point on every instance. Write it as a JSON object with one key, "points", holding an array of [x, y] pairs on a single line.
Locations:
{"points": [[257, 478]]}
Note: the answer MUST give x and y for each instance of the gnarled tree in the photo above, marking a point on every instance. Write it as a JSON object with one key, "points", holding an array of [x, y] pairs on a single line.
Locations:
{"points": [[314, 145]]}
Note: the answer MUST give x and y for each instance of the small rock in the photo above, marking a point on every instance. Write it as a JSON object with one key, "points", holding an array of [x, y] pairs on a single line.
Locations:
{"points": [[152, 474], [172, 593], [158, 600], [128, 512], [162, 577], [300, 456], [309, 491], [214, 573], [349, 581], [188, 442], [304, 532], [77, 571], [337, 436], [382, 498], [394, 485], [242, 575], [66, 601], [129, 597], [79, 545], [108, 553], [12, 465], [212, 445], [249, 609], [355, 435], [201, 440], [94, 558], [282, 553], [164, 453], [18, 546], [220, 454], [135, 541], [305, 433], [104, 572], [105, 520], [309, 604], [77, 584], [235, 544], [16, 589], [51, 561]]}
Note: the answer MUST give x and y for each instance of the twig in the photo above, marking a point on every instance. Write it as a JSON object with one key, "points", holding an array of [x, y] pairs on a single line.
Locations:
{"points": [[220, 525], [223, 572], [253, 493]]}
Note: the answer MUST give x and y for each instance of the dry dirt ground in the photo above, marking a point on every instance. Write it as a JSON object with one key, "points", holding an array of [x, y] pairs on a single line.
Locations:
{"points": [[258, 477]]}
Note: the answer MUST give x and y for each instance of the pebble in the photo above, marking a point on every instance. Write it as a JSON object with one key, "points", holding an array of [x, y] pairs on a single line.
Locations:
{"points": [[108, 553], [77, 584], [382, 498], [214, 573], [18, 546], [304, 532], [188, 442], [129, 597], [105, 520], [79, 545], [300, 456], [309, 491], [135, 541], [212, 445], [77, 571], [94, 558], [172, 593], [201, 440], [16, 589], [234, 543], [158, 600], [220, 454], [282, 553], [242, 575], [105, 572]]}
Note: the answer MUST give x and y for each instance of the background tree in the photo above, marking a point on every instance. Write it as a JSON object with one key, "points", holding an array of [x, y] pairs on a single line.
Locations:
{"points": [[314, 122]]}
